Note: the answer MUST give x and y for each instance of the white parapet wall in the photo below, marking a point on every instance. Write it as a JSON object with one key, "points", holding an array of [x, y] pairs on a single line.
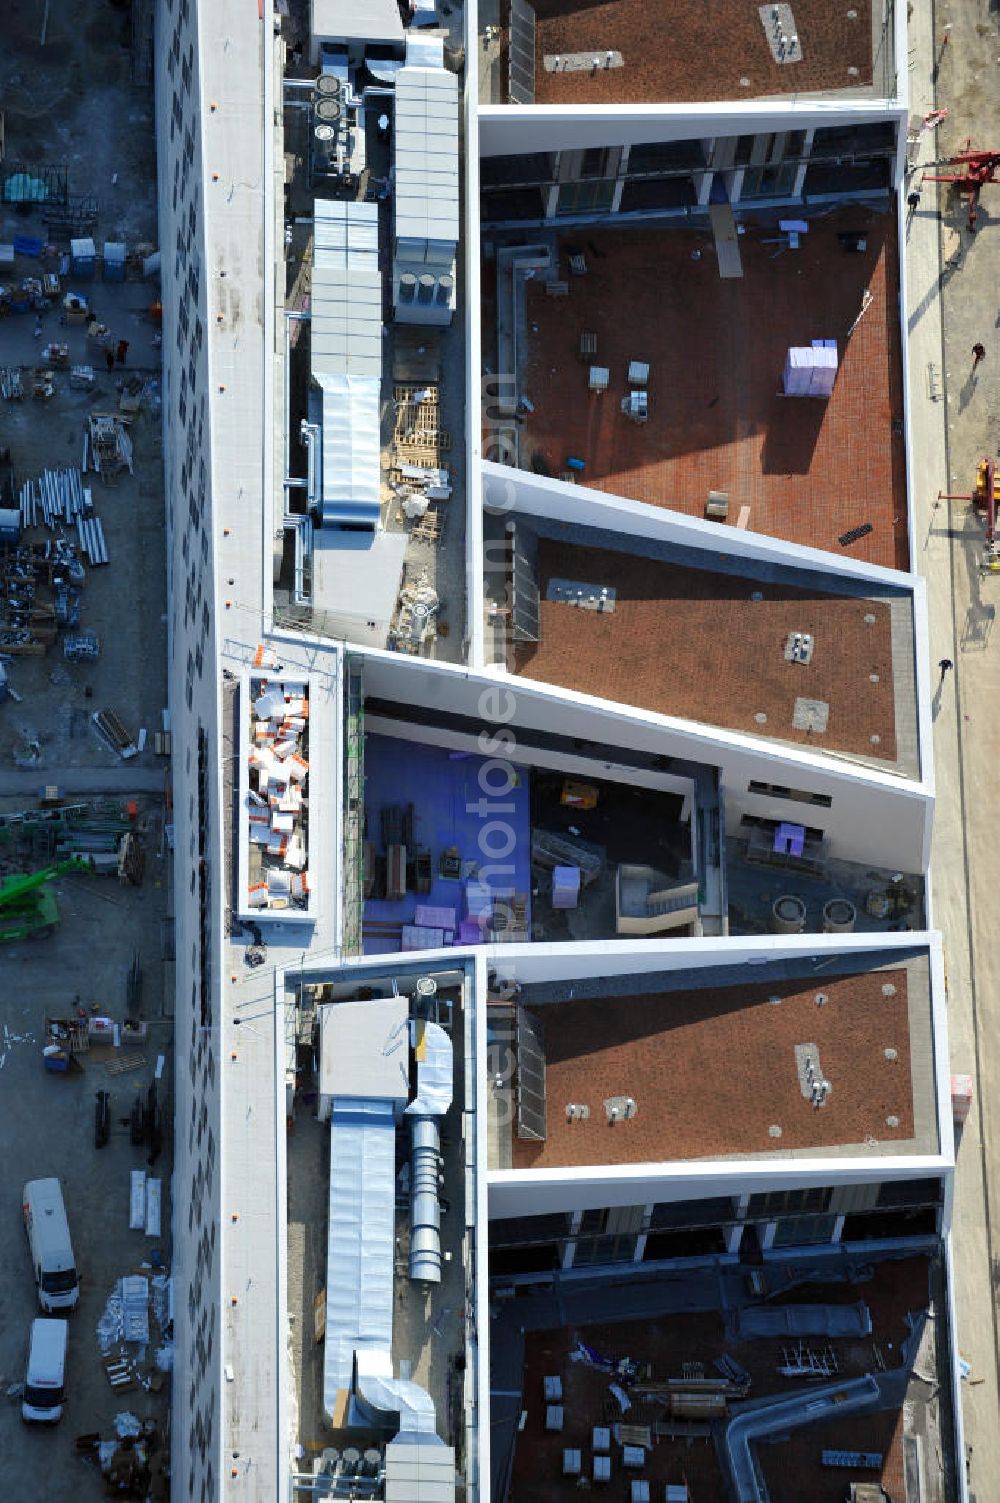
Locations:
{"points": [[874, 817], [506, 130], [530, 1192]]}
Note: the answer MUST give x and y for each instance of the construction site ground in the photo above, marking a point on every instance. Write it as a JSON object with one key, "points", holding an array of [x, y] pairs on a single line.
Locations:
{"points": [[955, 418], [47, 1128], [79, 97]]}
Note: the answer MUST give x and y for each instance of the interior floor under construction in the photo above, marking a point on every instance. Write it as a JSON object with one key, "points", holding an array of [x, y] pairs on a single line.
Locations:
{"points": [[664, 1362]]}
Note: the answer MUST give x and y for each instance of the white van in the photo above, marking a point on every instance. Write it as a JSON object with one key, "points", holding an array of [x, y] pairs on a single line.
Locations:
{"points": [[51, 1249], [45, 1378]]}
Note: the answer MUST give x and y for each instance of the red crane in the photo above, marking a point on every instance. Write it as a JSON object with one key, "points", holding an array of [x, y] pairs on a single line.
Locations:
{"points": [[975, 168], [986, 499]]}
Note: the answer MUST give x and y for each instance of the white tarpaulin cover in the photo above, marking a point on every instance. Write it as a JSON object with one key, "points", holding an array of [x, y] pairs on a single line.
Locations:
{"points": [[435, 1069], [382, 1394]]}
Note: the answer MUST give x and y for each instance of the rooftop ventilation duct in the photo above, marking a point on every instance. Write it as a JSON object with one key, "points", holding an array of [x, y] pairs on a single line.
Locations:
{"points": [[364, 1048], [435, 1074]]}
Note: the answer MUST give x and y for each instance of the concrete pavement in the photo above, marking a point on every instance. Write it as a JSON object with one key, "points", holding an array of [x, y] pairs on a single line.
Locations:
{"points": [[24, 783], [951, 305]]}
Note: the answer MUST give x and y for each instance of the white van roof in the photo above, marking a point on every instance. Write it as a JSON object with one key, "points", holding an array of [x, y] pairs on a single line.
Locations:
{"points": [[44, 1194], [51, 1229], [47, 1357]]}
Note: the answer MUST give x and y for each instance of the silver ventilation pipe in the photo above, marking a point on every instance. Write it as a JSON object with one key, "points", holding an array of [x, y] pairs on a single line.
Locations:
{"points": [[425, 1208], [435, 1083], [311, 438]]}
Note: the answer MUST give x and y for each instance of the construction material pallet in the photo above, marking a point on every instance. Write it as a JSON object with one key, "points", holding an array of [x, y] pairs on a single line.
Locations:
{"points": [[422, 399], [409, 394], [395, 472], [122, 1064], [427, 529], [70, 1033], [416, 436], [426, 456]]}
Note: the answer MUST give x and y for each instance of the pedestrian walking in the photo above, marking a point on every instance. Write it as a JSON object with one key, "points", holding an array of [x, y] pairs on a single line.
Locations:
{"points": [[109, 359], [945, 664], [122, 351], [38, 328], [978, 354]]}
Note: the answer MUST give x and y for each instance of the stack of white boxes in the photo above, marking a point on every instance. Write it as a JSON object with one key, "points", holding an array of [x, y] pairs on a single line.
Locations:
{"points": [[276, 809], [812, 371]]}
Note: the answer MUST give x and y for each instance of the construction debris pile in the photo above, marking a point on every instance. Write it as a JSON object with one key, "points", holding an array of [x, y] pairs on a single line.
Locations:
{"points": [[277, 801], [107, 447], [42, 582], [415, 623], [40, 591], [417, 476]]}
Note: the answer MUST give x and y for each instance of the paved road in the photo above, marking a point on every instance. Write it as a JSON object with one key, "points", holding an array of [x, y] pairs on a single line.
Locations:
{"points": [[952, 304], [24, 783]]}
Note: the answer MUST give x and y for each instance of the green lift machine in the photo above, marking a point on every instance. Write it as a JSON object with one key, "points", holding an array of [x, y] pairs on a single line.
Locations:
{"points": [[28, 907]]}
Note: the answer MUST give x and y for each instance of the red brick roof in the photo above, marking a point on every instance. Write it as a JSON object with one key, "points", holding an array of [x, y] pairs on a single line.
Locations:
{"points": [[808, 470], [692, 643], [712, 1070], [696, 50]]}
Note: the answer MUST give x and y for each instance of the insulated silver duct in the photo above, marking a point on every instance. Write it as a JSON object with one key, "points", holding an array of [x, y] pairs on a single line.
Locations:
{"points": [[425, 1208], [435, 1076]]}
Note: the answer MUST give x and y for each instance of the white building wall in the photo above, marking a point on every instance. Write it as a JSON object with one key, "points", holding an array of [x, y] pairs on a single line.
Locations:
{"points": [[874, 817], [509, 130], [187, 436]]}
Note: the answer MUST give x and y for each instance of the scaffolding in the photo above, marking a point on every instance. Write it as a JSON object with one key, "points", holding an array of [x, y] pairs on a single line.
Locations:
{"points": [[354, 784], [34, 183]]}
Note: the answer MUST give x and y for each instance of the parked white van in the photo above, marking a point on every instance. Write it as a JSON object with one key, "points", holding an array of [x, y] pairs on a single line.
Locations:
{"points": [[45, 1377], [51, 1249]]}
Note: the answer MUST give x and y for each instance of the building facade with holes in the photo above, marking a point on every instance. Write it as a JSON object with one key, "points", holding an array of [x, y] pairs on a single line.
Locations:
{"points": [[193, 690]]}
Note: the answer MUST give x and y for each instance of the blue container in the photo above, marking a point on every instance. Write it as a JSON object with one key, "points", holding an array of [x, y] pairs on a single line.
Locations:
{"points": [[83, 258], [114, 261]]}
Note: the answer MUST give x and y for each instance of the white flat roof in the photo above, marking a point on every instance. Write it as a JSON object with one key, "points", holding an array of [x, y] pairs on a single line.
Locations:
{"points": [[357, 577], [364, 1049], [356, 21]]}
